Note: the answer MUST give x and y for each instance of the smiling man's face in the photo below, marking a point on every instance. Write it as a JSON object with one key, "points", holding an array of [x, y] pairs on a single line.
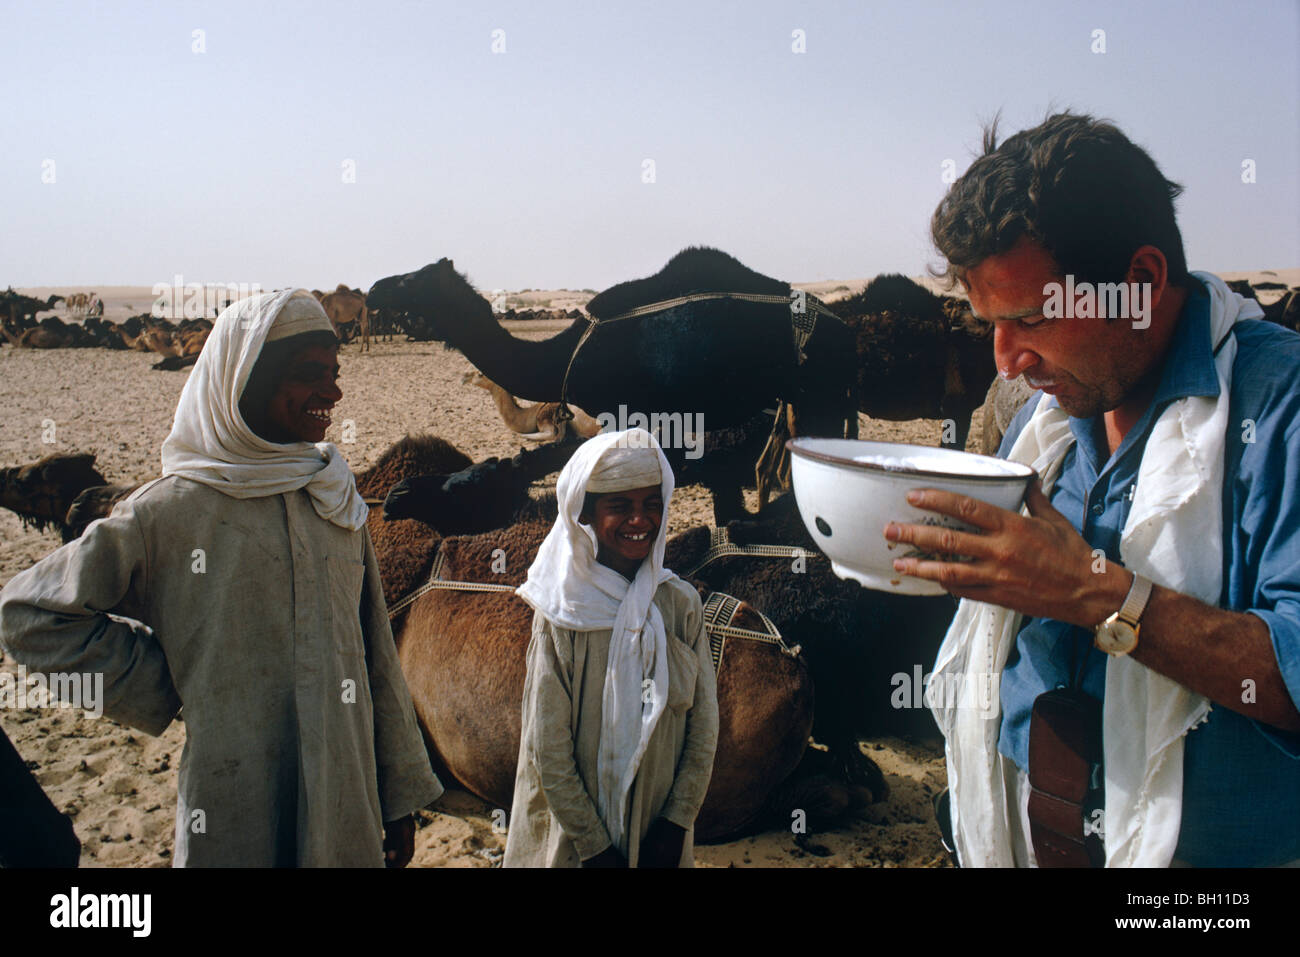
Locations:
{"points": [[299, 408], [1090, 365]]}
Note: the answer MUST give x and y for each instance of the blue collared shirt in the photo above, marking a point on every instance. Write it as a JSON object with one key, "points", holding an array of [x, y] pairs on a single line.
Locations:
{"points": [[1241, 779]]}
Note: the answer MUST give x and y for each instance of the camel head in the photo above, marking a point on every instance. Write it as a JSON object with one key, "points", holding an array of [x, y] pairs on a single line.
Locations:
{"points": [[42, 492], [482, 496], [440, 298], [92, 504]]}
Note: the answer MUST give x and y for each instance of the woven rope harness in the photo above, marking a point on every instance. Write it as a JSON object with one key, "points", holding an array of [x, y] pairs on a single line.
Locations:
{"points": [[720, 610], [721, 546]]}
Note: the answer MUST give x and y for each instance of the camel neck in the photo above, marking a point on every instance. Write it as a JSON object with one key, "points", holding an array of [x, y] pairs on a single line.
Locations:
{"points": [[524, 368], [505, 402]]}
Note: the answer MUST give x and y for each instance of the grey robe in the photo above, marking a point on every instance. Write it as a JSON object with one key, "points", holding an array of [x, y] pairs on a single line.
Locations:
{"points": [[269, 625], [553, 820]]}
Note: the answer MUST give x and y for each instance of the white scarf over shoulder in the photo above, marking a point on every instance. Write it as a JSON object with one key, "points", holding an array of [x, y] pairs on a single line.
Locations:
{"points": [[210, 442], [567, 585], [1174, 537]]}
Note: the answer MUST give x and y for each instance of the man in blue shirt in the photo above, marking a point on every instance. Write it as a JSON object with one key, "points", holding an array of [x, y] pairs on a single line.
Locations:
{"points": [[1071, 202]]}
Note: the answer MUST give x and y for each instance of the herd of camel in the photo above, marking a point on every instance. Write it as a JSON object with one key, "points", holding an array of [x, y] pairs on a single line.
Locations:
{"points": [[180, 342], [704, 335]]}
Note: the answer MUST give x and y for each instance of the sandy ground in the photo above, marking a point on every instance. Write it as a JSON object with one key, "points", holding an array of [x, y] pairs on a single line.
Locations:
{"points": [[119, 785]]}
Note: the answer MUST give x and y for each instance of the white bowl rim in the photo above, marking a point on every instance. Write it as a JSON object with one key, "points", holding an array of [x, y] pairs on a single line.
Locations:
{"points": [[1020, 472]]}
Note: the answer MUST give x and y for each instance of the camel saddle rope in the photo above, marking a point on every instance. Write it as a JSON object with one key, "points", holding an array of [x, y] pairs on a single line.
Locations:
{"points": [[720, 611], [721, 546], [437, 581]]}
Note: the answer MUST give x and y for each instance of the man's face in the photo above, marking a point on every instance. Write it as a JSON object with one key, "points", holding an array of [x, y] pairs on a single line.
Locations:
{"points": [[1090, 365], [626, 526], [298, 410]]}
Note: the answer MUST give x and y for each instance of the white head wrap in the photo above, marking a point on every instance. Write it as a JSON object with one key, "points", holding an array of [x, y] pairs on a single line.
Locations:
{"points": [[567, 585], [622, 468], [211, 443]]}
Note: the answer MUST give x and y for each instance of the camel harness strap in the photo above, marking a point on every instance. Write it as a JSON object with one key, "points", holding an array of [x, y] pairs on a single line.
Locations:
{"points": [[437, 581], [802, 320], [719, 613], [721, 546]]}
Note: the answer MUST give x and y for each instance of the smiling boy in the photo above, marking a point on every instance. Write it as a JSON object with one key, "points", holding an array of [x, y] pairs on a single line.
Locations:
{"points": [[620, 714], [243, 586]]}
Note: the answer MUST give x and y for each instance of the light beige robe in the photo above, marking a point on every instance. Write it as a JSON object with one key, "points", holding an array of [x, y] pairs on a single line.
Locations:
{"points": [[553, 821], [269, 626]]}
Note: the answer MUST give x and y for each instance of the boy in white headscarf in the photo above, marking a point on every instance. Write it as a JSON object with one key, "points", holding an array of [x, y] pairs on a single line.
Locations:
{"points": [[620, 711], [254, 601]]}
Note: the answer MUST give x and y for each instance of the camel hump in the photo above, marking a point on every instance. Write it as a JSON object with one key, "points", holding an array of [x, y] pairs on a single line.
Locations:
{"points": [[695, 269], [498, 557], [892, 292]]}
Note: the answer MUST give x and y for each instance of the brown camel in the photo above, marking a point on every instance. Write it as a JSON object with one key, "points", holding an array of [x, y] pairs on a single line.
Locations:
{"points": [[538, 421], [78, 303], [347, 311], [160, 339], [133, 331], [42, 492], [179, 342], [18, 315], [50, 333], [92, 503]]}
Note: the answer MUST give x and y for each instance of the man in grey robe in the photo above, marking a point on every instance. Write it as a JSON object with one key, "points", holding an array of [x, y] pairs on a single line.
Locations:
{"points": [[243, 586]]}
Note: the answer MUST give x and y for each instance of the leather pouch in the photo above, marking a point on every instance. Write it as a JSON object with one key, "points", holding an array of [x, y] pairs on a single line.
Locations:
{"points": [[1065, 751]]}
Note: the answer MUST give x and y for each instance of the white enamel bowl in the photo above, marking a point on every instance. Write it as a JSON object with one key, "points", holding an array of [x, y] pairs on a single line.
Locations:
{"points": [[848, 490]]}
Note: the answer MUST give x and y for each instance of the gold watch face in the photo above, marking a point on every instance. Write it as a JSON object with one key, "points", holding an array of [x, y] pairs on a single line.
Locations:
{"points": [[1116, 637]]}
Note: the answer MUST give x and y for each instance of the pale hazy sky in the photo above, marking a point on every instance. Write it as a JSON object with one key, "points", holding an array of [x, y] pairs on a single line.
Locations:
{"points": [[525, 166]]}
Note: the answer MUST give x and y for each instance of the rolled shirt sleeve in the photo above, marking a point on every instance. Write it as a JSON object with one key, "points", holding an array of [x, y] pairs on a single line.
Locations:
{"points": [[54, 618]]}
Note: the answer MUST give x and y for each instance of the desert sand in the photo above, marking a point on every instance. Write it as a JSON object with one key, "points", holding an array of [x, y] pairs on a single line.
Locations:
{"points": [[119, 785]]}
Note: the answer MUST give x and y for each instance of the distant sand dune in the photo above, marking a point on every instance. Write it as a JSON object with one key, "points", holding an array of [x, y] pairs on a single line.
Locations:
{"points": [[123, 301]]}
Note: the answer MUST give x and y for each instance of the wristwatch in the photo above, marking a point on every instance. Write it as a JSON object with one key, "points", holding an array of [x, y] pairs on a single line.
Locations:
{"points": [[1118, 634]]}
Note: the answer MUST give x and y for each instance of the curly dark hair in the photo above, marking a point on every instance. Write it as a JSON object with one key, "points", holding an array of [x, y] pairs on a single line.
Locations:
{"points": [[1074, 184]]}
